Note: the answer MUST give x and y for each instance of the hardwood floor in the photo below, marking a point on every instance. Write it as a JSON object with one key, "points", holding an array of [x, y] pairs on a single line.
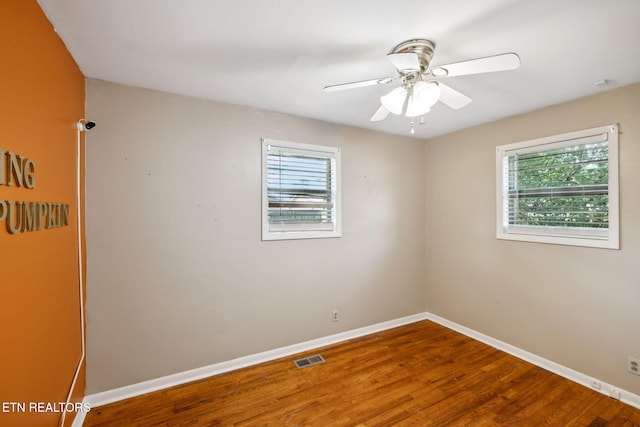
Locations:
{"points": [[421, 374]]}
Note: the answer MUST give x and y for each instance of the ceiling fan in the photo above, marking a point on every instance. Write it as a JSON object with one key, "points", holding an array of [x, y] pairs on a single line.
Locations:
{"points": [[420, 89]]}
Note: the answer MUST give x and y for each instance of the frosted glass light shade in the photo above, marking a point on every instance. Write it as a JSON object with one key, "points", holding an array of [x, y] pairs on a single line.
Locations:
{"points": [[394, 100], [423, 97]]}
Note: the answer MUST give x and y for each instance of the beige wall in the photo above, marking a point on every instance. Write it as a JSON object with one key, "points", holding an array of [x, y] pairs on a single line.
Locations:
{"points": [[575, 306], [178, 277]]}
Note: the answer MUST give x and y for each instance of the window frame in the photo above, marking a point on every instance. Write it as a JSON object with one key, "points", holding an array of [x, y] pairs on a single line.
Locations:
{"points": [[310, 233], [588, 237]]}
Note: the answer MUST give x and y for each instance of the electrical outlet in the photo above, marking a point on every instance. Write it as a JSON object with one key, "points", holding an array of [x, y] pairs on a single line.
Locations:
{"points": [[615, 393], [634, 365], [334, 315]]}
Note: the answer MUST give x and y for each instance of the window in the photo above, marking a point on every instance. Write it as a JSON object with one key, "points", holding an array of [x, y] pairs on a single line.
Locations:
{"points": [[300, 191], [561, 189]]}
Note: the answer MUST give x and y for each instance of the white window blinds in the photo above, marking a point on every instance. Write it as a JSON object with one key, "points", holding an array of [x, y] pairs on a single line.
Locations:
{"points": [[300, 190], [563, 187]]}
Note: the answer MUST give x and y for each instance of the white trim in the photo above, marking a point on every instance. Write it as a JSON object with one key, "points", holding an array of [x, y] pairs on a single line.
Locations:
{"points": [[569, 139], [568, 373], [78, 421], [99, 399], [110, 396], [79, 127]]}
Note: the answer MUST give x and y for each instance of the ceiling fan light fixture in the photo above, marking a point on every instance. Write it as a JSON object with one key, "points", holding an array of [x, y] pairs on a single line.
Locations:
{"points": [[415, 110], [394, 100], [423, 96]]}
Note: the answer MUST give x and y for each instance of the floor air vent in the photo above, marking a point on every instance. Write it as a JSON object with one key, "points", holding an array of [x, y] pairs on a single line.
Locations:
{"points": [[308, 361]]}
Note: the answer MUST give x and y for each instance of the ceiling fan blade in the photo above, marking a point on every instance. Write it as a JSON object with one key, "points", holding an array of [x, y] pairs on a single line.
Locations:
{"points": [[362, 83], [380, 114], [504, 62], [452, 98], [406, 61]]}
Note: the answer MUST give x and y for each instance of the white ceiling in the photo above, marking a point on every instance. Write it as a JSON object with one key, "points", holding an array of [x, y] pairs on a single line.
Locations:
{"points": [[279, 54]]}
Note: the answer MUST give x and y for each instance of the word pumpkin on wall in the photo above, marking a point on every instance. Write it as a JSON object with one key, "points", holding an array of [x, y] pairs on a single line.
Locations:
{"points": [[19, 216]]}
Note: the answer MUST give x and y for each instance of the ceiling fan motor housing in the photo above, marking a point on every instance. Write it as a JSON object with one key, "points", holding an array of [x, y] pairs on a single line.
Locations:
{"points": [[423, 48]]}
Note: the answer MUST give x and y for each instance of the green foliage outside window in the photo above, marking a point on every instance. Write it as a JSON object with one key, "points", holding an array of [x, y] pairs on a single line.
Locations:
{"points": [[565, 187]]}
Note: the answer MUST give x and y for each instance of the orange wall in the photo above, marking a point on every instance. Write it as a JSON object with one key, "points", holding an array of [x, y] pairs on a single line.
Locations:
{"points": [[42, 95]]}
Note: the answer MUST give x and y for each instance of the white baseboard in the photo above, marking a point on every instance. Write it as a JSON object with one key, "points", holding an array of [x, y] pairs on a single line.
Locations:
{"points": [[121, 393], [568, 373], [79, 419], [109, 396]]}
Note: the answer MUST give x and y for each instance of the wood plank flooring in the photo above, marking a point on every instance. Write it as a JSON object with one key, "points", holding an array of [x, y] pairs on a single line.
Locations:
{"points": [[421, 374]]}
